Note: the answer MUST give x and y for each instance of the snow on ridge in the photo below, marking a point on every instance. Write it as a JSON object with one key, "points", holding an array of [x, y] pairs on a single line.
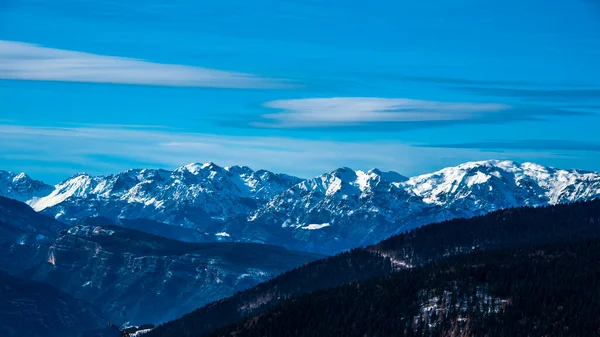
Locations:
{"points": [[465, 190], [74, 186], [515, 179], [193, 168], [223, 234], [316, 226], [90, 231], [362, 180], [141, 332], [19, 176], [213, 188], [207, 164]]}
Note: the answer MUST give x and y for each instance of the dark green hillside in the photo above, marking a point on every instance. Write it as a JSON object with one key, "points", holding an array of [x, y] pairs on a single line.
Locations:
{"points": [[539, 291], [502, 229], [34, 309]]}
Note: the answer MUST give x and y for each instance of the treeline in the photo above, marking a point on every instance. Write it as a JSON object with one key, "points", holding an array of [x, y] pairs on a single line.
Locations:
{"points": [[504, 229], [501, 229]]}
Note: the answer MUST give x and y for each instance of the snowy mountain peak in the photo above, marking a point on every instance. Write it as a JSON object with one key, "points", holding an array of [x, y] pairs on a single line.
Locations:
{"points": [[241, 170], [79, 174], [503, 184], [350, 182], [343, 172], [76, 186], [390, 176], [21, 187], [195, 168], [211, 166]]}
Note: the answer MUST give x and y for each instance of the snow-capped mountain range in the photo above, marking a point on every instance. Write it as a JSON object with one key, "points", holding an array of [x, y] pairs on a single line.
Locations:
{"points": [[328, 213], [191, 196]]}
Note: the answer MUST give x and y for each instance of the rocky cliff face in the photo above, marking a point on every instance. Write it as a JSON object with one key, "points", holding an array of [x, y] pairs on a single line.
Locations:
{"points": [[127, 274]]}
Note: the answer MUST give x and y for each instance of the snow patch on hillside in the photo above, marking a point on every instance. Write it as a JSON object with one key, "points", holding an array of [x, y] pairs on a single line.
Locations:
{"points": [[316, 226]]}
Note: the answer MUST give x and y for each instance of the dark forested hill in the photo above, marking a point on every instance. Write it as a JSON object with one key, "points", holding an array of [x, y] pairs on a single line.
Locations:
{"points": [[34, 309], [537, 291], [502, 229], [499, 230]]}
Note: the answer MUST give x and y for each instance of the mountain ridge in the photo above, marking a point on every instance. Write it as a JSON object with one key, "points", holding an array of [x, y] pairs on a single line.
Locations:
{"points": [[318, 214]]}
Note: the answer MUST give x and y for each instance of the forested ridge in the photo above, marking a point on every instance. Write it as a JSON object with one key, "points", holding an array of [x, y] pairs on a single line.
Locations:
{"points": [[537, 291], [503, 229]]}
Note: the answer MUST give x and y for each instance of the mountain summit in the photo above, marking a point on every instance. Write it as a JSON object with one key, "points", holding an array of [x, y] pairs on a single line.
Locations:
{"points": [[21, 187]]}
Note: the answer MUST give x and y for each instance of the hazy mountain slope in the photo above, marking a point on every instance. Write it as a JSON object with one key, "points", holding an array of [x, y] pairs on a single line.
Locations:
{"points": [[501, 229], [154, 227], [130, 274], [24, 235], [23, 217], [34, 309]]}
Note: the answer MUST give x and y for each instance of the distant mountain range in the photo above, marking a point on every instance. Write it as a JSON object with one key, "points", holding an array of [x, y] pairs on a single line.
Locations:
{"points": [[326, 214]]}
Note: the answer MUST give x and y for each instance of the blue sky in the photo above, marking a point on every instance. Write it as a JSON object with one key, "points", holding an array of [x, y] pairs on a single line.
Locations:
{"points": [[297, 86]]}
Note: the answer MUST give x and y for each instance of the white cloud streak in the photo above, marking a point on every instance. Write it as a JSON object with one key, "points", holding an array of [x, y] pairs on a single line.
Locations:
{"points": [[340, 111], [24, 61], [102, 150]]}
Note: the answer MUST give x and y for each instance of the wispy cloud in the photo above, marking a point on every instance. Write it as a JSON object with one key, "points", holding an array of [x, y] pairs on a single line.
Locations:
{"points": [[101, 150], [454, 80], [24, 61], [556, 95], [485, 83], [120, 126], [352, 111], [531, 144]]}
